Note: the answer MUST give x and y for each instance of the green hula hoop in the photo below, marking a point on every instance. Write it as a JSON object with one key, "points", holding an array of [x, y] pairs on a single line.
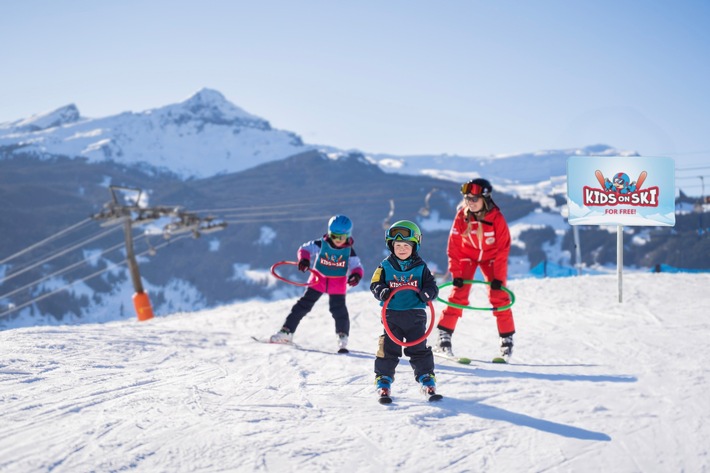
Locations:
{"points": [[472, 281]]}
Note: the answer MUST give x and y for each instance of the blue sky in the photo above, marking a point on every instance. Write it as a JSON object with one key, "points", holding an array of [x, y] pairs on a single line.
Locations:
{"points": [[461, 77]]}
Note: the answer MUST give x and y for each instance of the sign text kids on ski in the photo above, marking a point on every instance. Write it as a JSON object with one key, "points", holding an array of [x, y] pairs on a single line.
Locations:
{"points": [[621, 190]]}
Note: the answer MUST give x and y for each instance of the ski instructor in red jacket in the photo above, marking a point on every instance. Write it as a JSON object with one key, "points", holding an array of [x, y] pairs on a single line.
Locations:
{"points": [[479, 237]]}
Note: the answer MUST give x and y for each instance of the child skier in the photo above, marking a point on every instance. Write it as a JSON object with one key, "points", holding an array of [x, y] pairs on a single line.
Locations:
{"points": [[338, 266], [479, 237], [406, 311]]}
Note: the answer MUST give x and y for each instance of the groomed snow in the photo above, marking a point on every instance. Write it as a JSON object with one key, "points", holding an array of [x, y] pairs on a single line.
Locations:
{"points": [[596, 385]]}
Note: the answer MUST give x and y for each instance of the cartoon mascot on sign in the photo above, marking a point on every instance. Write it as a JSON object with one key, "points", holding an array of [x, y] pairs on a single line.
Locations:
{"points": [[621, 184]]}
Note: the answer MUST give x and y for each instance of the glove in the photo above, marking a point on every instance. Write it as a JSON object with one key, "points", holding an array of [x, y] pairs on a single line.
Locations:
{"points": [[304, 264], [384, 294], [458, 282], [354, 279], [496, 284], [425, 296]]}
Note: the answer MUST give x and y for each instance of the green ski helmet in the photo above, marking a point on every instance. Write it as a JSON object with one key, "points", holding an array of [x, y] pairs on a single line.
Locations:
{"points": [[403, 230]]}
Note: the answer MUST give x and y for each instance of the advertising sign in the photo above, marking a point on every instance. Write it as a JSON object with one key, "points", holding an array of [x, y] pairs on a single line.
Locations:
{"points": [[617, 190]]}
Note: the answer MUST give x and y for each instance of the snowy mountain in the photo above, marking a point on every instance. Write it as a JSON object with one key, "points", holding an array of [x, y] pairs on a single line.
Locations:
{"points": [[202, 136], [207, 135], [594, 385]]}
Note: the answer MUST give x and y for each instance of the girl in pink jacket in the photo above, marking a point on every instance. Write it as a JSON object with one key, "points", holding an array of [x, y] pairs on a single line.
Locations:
{"points": [[334, 259]]}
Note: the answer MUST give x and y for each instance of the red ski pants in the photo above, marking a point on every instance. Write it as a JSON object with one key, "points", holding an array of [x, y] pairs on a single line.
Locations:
{"points": [[459, 295]]}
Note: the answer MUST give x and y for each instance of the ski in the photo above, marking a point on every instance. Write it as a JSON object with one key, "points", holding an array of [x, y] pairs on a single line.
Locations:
{"points": [[341, 351], [266, 340], [456, 359], [434, 397]]}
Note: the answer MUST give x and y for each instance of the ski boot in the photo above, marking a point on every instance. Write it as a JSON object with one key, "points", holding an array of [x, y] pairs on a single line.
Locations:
{"points": [[384, 386], [443, 344], [506, 350], [284, 336], [428, 387], [343, 343]]}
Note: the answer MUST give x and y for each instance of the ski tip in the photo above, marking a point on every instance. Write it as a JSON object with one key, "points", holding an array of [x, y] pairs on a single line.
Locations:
{"points": [[385, 400], [343, 350], [435, 397]]}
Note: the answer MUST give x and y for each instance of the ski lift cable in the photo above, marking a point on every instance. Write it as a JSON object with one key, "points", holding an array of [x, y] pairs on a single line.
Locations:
{"points": [[250, 208], [40, 258], [243, 215], [63, 270], [280, 219], [90, 276], [46, 240], [60, 253], [253, 217], [368, 197]]}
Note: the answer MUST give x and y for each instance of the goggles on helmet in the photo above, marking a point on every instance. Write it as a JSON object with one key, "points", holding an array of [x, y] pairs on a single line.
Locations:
{"points": [[401, 232], [470, 188]]}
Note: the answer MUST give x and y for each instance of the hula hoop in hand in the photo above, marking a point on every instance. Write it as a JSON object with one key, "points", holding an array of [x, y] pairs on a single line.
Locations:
{"points": [[475, 281], [281, 278], [387, 327]]}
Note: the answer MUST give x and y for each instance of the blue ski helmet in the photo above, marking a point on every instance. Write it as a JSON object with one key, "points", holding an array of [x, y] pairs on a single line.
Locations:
{"points": [[403, 230], [340, 225]]}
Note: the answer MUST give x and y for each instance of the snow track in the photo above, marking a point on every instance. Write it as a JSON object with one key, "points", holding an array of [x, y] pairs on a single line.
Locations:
{"points": [[594, 386]]}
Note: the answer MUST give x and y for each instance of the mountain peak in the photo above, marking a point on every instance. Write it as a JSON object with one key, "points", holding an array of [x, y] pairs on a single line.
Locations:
{"points": [[43, 121], [212, 106], [207, 96]]}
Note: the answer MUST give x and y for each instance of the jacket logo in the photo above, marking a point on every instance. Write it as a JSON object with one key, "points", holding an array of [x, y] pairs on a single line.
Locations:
{"points": [[333, 261], [404, 281]]}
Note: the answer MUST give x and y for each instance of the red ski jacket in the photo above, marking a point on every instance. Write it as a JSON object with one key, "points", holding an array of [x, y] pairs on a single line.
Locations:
{"points": [[487, 240]]}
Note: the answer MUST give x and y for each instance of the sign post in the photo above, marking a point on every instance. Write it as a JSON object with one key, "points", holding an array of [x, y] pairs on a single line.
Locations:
{"points": [[621, 191]]}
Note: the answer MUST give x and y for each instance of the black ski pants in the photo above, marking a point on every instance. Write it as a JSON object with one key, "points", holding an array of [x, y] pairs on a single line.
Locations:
{"points": [[406, 327], [303, 306]]}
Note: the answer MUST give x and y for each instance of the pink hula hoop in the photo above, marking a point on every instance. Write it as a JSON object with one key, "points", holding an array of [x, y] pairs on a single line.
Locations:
{"points": [[281, 278]]}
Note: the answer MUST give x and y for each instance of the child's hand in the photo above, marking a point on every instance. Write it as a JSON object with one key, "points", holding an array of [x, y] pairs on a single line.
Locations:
{"points": [[304, 264], [496, 284], [458, 282], [384, 294], [354, 279], [425, 296]]}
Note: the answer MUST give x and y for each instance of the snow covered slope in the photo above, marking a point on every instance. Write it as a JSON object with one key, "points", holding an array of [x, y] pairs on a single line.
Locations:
{"points": [[595, 386]]}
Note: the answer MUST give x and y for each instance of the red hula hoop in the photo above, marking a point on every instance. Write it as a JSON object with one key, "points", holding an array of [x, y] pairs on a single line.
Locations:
{"points": [[281, 278], [387, 327]]}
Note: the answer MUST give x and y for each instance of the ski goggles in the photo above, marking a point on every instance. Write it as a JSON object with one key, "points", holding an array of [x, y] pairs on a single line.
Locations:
{"points": [[338, 236], [473, 198], [401, 232], [470, 188]]}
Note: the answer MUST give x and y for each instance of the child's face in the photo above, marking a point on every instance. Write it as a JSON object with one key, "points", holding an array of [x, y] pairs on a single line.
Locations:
{"points": [[338, 240], [402, 249]]}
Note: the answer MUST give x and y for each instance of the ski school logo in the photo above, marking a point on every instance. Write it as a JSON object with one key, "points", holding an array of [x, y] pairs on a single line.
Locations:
{"points": [[404, 281], [332, 261], [620, 190]]}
